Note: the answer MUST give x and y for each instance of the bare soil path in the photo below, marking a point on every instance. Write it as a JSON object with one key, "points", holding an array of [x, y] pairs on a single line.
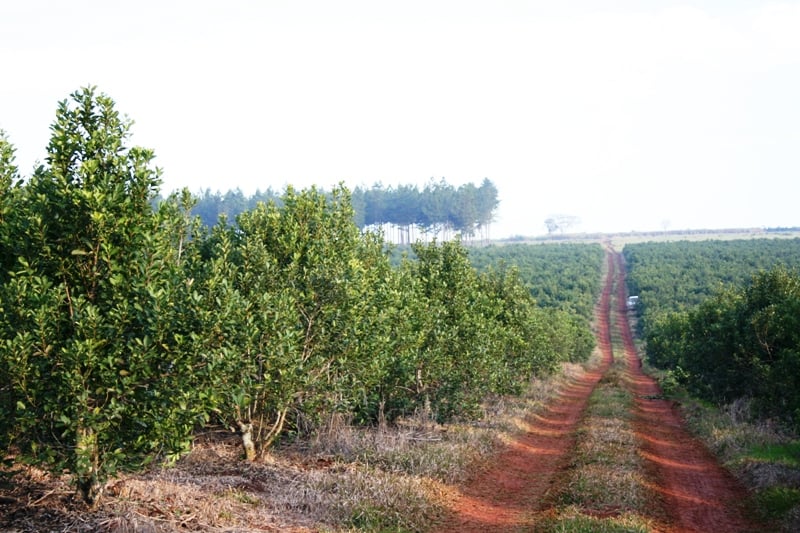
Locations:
{"points": [[507, 496], [697, 493]]}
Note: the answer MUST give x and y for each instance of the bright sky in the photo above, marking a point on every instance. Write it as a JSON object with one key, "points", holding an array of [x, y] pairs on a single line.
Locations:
{"points": [[638, 115]]}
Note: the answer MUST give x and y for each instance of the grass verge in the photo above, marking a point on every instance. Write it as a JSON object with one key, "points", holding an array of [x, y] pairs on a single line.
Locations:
{"points": [[417, 460], [574, 520], [603, 489], [343, 479]]}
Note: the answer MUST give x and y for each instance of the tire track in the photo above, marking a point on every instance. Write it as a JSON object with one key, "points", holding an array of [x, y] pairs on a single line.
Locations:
{"points": [[697, 494]]}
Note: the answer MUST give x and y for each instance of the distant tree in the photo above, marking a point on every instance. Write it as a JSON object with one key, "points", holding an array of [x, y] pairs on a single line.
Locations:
{"points": [[403, 208], [375, 206], [267, 196], [233, 203], [487, 204], [439, 209], [560, 223], [208, 207], [359, 203], [437, 201], [464, 210]]}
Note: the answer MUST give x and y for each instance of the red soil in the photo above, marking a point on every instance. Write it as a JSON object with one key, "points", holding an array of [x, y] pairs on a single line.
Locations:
{"points": [[695, 493]]}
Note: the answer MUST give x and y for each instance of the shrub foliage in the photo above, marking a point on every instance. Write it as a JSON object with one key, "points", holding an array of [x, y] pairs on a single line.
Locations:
{"points": [[742, 338], [126, 325]]}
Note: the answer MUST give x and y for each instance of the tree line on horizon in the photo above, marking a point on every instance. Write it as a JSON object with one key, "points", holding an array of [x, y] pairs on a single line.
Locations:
{"points": [[404, 213]]}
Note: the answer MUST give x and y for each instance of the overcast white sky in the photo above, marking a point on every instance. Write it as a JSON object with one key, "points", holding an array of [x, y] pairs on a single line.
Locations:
{"points": [[636, 115]]}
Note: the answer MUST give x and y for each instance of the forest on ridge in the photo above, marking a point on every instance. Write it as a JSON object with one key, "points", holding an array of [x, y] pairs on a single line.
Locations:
{"points": [[404, 213]]}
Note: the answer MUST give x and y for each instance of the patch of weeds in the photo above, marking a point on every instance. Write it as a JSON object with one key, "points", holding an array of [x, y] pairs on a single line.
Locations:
{"points": [[615, 375], [413, 447], [602, 488], [571, 520], [372, 500], [441, 462], [243, 497], [605, 476], [367, 518], [610, 402], [785, 454], [776, 502], [732, 431]]}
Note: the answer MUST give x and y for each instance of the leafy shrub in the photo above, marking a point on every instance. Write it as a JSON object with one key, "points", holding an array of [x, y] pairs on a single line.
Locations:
{"points": [[740, 343]]}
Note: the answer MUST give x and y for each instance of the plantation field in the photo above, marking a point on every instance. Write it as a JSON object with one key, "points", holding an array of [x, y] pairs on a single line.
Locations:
{"points": [[559, 276], [619, 240], [677, 275], [282, 370], [129, 328]]}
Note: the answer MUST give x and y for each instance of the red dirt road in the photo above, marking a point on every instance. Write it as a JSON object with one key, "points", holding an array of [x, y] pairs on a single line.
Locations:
{"points": [[695, 493]]}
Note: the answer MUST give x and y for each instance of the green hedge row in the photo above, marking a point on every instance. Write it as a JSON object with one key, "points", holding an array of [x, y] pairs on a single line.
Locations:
{"points": [[724, 318]]}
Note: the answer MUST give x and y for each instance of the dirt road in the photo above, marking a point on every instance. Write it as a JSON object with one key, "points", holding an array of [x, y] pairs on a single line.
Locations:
{"points": [[694, 493]]}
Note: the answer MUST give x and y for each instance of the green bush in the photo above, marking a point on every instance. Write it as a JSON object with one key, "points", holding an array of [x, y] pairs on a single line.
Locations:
{"points": [[126, 324], [740, 343]]}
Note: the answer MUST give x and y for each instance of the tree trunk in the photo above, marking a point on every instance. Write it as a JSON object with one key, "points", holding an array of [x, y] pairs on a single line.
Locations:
{"points": [[246, 430], [274, 432]]}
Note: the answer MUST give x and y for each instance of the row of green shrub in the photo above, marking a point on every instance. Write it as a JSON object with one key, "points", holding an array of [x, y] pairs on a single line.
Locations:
{"points": [[124, 328], [560, 276], [744, 342], [733, 330], [677, 276]]}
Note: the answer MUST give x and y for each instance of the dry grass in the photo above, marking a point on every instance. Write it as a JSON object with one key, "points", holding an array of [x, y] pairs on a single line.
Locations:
{"points": [[291, 493], [415, 447], [343, 479], [735, 435], [605, 475], [212, 490], [730, 432]]}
